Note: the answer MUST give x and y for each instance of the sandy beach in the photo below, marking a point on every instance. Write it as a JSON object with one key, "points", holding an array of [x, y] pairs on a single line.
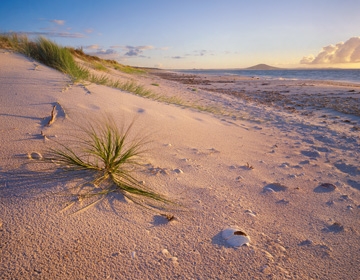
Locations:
{"points": [[273, 162]]}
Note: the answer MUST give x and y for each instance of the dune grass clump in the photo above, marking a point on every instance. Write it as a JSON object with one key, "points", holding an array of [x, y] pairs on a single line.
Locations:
{"points": [[109, 157], [46, 52]]}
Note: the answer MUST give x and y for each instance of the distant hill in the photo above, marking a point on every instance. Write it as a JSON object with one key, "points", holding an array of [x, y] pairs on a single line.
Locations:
{"points": [[262, 67]]}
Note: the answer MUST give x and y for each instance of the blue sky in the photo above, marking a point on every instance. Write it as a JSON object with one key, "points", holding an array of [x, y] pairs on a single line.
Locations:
{"points": [[197, 33]]}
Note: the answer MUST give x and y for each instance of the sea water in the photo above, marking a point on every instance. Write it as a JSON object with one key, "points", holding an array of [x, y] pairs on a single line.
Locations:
{"points": [[340, 75]]}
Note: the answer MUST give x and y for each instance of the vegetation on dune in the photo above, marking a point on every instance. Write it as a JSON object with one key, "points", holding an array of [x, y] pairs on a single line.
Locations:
{"points": [[48, 53], [109, 157], [103, 64], [62, 59]]}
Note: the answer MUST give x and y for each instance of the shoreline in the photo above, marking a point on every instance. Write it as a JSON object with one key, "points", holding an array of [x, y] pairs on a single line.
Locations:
{"points": [[290, 94], [268, 75]]}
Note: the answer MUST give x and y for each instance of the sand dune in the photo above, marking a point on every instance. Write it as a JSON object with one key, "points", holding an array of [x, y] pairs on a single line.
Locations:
{"points": [[287, 179]]}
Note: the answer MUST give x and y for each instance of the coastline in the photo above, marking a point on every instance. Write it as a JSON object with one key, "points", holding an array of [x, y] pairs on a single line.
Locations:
{"points": [[350, 76], [276, 160], [291, 95]]}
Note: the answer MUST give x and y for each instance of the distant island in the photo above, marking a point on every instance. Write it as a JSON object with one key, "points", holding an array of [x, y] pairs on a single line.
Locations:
{"points": [[262, 67]]}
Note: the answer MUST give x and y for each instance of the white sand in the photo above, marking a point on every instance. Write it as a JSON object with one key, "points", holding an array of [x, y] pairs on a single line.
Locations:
{"points": [[297, 229]]}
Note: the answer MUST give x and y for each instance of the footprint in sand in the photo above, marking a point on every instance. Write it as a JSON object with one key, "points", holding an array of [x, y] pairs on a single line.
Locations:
{"points": [[325, 188], [347, 168], [335, 228], [311, 154]]}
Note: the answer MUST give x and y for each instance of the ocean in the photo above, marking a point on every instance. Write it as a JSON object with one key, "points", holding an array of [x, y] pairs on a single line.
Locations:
{"points": [[339, 75]]}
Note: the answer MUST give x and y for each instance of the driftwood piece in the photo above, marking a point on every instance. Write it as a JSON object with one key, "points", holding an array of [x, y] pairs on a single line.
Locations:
{"points": [[53, 116]]}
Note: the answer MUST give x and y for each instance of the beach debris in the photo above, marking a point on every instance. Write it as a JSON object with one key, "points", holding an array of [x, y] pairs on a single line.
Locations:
{"points": [[248, 166], [44, 136], [52, 117], [168, 217], [239, 178], [325, 187], [250, 212], [235, 237], [275, 187], [133, 254]]}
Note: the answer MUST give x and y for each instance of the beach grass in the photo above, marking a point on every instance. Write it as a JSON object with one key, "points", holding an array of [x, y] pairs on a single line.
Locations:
{"points": [[48, 53], [62, 59], [100, 67], [110, 156]]}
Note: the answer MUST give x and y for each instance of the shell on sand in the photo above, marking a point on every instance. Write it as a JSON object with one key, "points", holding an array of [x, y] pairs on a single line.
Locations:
{"points": [[35, 155], [235, 237]]}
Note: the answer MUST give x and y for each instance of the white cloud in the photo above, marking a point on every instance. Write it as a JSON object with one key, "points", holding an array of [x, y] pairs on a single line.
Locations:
{"points": [[307, 59], [58, 21], [348, 52], [92, 47]]}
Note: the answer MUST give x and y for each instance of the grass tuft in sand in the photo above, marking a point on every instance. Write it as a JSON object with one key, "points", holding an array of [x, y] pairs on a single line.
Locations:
{"points": [[109, 157]]}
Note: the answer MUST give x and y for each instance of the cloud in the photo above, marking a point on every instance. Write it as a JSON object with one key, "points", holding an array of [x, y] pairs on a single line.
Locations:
{"points": [[200, 53], [136, 51], [92, 47], [58, 21], [101, 52], [106, 52], [307, 59], [348, 52], [89, 30], [163, 48], [177, 57], [133, 51]]}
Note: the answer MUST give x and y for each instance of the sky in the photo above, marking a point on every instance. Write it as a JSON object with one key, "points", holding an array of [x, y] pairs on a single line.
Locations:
{"points": [[203, 34]]}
